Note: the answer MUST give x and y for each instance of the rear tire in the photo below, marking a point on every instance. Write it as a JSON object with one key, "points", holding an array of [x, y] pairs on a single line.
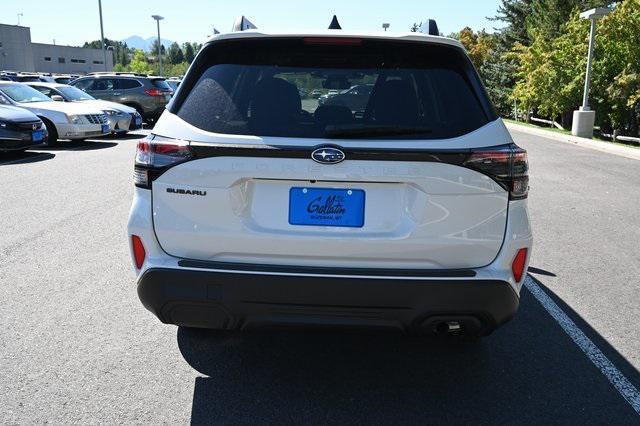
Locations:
{"points": [[53, 132]]}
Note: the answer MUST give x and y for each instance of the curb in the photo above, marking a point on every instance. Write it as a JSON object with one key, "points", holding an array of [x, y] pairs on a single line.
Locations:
{"points": [[610, 148]]}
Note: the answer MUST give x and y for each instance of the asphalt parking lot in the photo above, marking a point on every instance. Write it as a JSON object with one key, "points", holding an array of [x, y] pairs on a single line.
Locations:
{"points": [[77, 346]]}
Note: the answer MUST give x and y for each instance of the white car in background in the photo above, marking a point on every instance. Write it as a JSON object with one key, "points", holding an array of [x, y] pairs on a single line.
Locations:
{"points": [[121, 118], [74, 121]]}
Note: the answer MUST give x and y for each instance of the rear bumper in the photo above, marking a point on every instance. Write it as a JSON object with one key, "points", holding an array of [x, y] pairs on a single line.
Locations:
{"points": [[236, 299]]}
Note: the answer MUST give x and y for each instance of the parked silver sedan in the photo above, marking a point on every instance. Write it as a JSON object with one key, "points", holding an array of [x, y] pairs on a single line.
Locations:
{"points": [[121, 118]]}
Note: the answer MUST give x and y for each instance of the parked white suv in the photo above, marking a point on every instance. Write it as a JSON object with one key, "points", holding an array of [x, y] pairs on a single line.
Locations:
{"points": [[62, 120], [254, 208]]}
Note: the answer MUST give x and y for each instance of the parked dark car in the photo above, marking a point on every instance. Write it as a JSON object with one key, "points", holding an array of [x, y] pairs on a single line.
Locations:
{"points": [[147, 94], [20, 129]]}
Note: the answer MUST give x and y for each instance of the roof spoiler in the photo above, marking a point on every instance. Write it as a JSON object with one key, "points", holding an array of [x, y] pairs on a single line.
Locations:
{"points": [[430, 27], [242, 24]]}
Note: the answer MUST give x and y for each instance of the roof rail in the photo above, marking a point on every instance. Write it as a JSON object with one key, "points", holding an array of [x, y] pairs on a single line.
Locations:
{"points": [[430, 27], [242, 24], [335, 25], [118, 73]]}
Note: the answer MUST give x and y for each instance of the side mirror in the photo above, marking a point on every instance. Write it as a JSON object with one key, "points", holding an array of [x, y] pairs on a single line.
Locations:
{"points": [[57, 98]]}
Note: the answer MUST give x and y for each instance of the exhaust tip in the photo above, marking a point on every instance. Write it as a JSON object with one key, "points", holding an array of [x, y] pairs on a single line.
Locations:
{"points": [[442, 325], [446, 327]]}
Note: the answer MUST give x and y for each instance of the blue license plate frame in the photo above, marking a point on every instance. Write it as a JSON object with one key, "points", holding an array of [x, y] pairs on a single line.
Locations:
{"points": [[337, 207]]}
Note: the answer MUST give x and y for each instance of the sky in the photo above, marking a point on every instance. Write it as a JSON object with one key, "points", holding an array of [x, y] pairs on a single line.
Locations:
{"points": [[72, 22]]}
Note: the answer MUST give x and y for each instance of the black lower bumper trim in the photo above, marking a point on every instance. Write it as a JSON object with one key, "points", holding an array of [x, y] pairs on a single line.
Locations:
{"points": [[233, 300]]}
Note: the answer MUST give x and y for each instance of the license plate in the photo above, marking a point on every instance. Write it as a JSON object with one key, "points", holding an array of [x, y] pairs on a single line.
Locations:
{"points": [[138, 121], [105, 128], [326, 207], [37, 136]]}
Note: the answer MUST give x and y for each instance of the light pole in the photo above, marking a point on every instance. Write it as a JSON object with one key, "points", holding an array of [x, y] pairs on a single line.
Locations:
{"points": [[104, 51], [159, 18], [585, 118]]}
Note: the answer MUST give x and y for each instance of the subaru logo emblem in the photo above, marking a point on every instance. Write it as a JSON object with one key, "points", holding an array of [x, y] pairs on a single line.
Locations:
{"points": [[327, 155]]}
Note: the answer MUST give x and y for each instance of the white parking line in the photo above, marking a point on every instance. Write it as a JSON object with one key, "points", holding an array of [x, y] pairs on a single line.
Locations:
{"points": [[617, 379]]}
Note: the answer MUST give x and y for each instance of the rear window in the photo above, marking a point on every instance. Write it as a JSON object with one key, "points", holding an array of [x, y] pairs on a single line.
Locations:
{"points": [[160, 84], [28, 79], [306, 88]]}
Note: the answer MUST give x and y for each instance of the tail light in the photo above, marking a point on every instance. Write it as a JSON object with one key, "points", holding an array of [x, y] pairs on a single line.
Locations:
{"points": [[517, 266], [507, 165], [139, 253], [155, 155], [154, 92]]}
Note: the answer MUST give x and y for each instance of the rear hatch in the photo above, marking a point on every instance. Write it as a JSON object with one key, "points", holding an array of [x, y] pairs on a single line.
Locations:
{"points": [[248, 167]]}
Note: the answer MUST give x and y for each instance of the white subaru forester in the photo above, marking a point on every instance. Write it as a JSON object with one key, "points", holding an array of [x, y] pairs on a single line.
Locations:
{"points": [[398, 203]]}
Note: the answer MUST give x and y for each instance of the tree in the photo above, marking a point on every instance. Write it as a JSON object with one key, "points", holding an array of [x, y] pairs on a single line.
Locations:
{"points": [[616, 69], [479, 45], [123, 55], [548, 17], [415, 27], [176, 70], [121, 51], [175, 54], [154, 48], [514, 14], [550, 73], [189, 53], [139, 63]]}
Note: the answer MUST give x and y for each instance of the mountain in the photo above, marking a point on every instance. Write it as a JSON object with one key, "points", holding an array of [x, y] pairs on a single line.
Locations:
{"points": [[138, 42]]}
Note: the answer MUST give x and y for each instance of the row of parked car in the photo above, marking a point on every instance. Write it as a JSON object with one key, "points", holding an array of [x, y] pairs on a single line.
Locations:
{"points": [[26, 77], [42, 112]]}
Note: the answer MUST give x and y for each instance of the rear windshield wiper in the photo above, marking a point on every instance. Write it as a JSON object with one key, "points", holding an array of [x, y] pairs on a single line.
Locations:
{"points": [[374, 131]]}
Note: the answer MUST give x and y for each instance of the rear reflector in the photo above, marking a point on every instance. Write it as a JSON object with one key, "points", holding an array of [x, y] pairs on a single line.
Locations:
{"points": [[138, 251], [517, 267]]}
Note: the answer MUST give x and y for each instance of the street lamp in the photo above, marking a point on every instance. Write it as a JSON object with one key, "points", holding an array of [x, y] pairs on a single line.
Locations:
{"points": [[104, 51], [385, 26], [585, 118], [159, 18]]}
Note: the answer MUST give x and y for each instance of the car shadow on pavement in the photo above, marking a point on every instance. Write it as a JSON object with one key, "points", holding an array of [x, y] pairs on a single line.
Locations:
{"points": [[24, 157], [125, 137], [78, 146], [538, 271], [528, 371]]}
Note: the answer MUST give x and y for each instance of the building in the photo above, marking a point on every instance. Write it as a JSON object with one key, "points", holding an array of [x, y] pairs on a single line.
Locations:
{"points": [[18, 53]]}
